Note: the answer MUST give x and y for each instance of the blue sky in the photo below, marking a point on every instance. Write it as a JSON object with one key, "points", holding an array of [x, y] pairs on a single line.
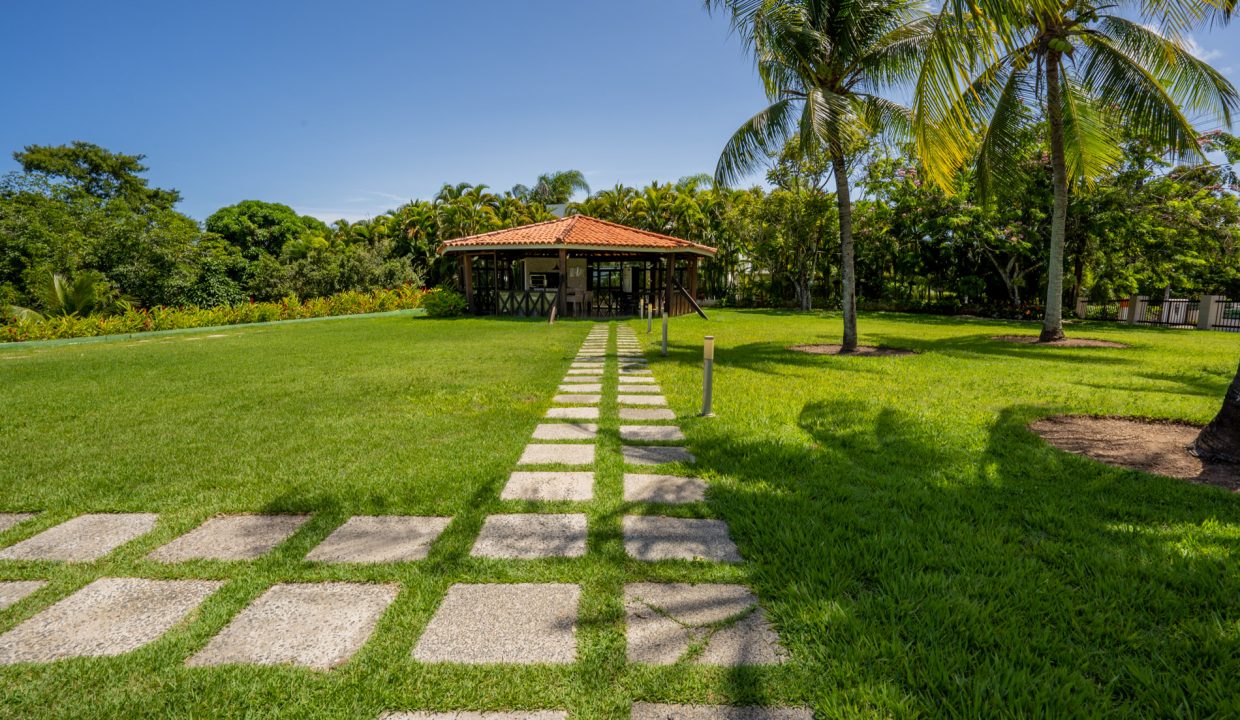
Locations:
{"points": [[346, 109]]}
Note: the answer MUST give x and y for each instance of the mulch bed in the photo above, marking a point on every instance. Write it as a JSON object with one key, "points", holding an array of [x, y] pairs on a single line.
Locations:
{"points": [[861, 351], [1066, 342], [1152, 446]]}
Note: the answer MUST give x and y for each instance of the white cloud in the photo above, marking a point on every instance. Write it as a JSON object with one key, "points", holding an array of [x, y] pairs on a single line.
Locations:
{"points": [[1195, 49]]}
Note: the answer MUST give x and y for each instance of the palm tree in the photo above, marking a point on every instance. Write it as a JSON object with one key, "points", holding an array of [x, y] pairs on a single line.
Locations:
{"points": [[1090, 71], [62, 297], [555, 188], [823, 64]]}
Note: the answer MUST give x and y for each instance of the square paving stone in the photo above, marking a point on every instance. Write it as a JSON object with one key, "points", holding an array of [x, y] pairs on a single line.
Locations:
{"points": [[651, 433], [108, 617], [84, 538], [8, 520], [232, 537], [653, 537], [576, 399], [546, 454], [665, 619], [585, 371], [631, 379], [573, 413], [581, 365], [580, 379], [548, 486], [521, 623], [647, 414], [667, 489], [581, 388], [380, 539], [655, 711], [655, 455], [12, 591], [316, 625], [479, 715], [566, 431], [526, 536], [638, 389], [630, 370], [641, 399]]}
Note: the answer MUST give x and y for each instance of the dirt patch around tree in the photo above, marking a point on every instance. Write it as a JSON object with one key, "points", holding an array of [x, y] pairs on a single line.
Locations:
{"points": [[1066, 342], [860, 351], [1152, 446]]}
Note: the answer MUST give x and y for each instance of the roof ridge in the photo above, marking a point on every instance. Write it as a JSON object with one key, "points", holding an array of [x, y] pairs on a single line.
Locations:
{"points": [[651, 233]]}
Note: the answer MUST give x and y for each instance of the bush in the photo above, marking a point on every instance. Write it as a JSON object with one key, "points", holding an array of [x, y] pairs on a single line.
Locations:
{"points": [[443, 302], [135, 320]]}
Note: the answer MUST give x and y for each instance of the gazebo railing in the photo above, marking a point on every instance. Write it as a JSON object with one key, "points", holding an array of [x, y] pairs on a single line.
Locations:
{"points": [[527, 303]]}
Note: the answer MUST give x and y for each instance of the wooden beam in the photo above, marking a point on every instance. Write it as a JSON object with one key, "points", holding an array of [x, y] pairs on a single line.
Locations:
{"points": [[469, 282], [693, 277], [668, 280], [495, 277], [562, 300]]}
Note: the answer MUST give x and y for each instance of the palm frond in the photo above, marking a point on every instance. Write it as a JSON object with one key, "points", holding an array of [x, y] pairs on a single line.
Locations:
{"points": [[996, 101], [750, 145], [1090, 145]]}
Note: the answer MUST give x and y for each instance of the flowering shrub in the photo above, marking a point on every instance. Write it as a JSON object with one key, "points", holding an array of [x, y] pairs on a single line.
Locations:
{"points": [[135, 320]]}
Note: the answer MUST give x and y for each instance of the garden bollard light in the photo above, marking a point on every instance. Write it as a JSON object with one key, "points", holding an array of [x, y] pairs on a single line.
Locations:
{"points": [[708, 374], [664, 332]]}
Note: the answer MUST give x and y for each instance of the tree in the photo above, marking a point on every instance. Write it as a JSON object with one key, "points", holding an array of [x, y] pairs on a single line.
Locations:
{"points": [[555, 188], [823, 64], [262, 227], [1091, 73], [96, 171]]}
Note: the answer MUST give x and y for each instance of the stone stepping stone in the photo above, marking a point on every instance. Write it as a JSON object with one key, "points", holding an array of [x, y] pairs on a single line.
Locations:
{"points": [[523, 623], [581, 388], [12, 591], [573, 413], [638, 379], [108, 617], [653, 538], [544, 454], [630, 370], [641, 399], [666, 489], [8, 520], [479, 715], [638, 389], [576, 399], [231, 537], [666, 619], [566, 431], [588, 365], [549, 486], [654, 711], [655, 455], [647, 414], [585, 371], [579, 379], [380, 539], [84, 538], [651, 433], [528, 536], [315, 625]]}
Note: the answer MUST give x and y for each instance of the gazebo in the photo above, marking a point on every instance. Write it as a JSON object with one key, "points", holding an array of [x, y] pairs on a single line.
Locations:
{"points": [[579, 266]]}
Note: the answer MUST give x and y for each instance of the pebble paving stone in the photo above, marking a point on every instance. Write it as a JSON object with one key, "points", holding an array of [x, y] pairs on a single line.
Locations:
{"points": [[647, 414], [380, 539], [573, 413], [232, 537], [585, 371], [12, 591], [651, 433], [8, 520], [576, 399], [108, 617], [84, 538], [527, 536], [588, 365], [630, 370], [522, 623], [638, 389], [654, 537], [629, 379], [666, 489], [641, 399], [655, 711], [580, 379], [316, 625], [566, 431], [581, 388], [481, 715], [655, 455], [665, 619], [545, 454], [549, 486]]}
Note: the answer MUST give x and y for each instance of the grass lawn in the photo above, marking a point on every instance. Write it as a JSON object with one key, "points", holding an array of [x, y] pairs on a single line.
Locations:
{"points": [[920, 552]]}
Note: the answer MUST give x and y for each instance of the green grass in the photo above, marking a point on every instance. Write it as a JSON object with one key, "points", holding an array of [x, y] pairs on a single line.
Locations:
{"points": [[920, 552]]}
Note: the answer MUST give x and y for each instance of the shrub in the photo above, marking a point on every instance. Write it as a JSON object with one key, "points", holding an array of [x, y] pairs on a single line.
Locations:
{"points": [[443, 302]]}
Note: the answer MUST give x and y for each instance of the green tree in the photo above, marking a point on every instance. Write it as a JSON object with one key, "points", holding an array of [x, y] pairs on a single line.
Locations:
{"points": [[824, 64], [257, 227], [96, 171], [1091, 72], [555, 188]]}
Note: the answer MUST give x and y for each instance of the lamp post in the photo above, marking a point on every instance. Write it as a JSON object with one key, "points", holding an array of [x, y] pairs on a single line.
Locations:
{"points": [[664, 332], [708, 373]]}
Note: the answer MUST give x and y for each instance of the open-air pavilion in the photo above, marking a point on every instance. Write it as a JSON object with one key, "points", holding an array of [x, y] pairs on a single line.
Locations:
{"points": [[580, 266]]}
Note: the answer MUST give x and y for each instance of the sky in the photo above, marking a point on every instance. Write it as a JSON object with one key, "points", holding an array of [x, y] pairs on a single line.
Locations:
{"points": [[347, 109]]}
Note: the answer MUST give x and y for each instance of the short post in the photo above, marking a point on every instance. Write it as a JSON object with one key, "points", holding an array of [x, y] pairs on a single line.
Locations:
{"points": [[1205, 311], [649, 318], [664, 332], [708, 374], [641, 309]]}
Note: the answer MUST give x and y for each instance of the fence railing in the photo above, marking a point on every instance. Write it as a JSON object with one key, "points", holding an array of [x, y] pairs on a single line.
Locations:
{"points": [[1210, 312]]}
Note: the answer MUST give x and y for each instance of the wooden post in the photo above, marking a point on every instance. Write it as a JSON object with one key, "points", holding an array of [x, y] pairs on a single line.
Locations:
{"points": [[495, 278], [562, 300], [469, 282], [667, 282], [693, 277]]}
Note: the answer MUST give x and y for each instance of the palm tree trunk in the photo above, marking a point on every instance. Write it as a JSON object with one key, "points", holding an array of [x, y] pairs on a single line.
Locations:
{"points": [[1220, 440], [1052, 322], [848, 278]]}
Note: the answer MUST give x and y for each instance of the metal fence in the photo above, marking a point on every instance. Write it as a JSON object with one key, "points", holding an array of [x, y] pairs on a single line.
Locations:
{"points": [[1209, 312], [1226, 315], [1172, 312]]}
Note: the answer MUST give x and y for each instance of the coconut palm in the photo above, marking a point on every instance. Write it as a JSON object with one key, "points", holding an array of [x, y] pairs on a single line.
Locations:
{"points": [[1089, 71], [83, 295], [824, 64], [555, 188]]}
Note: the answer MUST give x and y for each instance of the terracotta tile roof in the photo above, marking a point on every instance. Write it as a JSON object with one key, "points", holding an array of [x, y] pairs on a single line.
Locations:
{"points": [[575, 231]]}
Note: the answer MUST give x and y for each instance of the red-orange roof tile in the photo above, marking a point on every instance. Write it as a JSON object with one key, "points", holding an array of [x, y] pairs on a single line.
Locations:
{"points": [[580, 231]]}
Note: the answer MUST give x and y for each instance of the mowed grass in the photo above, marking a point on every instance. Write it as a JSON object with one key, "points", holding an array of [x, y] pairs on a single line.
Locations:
{"points": [[920, 552]]}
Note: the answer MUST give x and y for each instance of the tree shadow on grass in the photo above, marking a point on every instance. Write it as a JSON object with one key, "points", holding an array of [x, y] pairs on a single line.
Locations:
{"points": [[911, 570], [982, 346]]}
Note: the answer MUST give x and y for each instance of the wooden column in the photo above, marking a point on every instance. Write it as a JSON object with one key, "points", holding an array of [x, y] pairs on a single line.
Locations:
{"points": [[469, 282], [667, 281], [495, 278], [562, 300], [693, 276]]}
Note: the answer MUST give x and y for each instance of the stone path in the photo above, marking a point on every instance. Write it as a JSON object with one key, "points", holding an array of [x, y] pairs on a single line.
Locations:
{"points": [[233, 537], [83, 538], [380, 539]]}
